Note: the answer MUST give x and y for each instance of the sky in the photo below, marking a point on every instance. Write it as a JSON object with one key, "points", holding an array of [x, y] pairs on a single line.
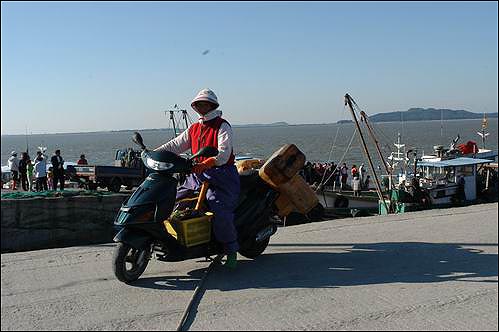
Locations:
{"points": [[91, 66]]}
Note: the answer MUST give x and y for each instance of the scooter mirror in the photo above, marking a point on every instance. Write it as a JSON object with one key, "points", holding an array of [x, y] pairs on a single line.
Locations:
{"points": [[207, 151], [137, 139]]}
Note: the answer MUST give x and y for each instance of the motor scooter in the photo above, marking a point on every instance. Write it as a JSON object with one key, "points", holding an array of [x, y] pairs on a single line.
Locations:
{"points": [[140, 222]]}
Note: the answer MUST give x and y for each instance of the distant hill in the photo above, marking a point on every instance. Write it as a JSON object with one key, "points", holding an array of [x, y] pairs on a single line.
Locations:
{"points": [[426, 114], [274, 124]]}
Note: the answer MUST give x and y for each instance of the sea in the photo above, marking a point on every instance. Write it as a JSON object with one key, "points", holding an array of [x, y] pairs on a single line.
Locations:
{"points": [[319, 142]]}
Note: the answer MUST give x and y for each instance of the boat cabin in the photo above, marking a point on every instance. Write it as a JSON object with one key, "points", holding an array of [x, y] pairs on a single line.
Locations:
{"points": [[441, 177]]}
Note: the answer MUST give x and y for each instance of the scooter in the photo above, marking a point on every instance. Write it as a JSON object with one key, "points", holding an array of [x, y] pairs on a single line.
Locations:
{"points": [[140, 223]]}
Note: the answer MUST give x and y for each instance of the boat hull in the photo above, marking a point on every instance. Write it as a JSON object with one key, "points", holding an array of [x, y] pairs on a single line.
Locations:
{"points": [[346, 199]]}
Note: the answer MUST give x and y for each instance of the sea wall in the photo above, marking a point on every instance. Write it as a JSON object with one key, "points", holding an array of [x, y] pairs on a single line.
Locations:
{"points": [[54, 222]]}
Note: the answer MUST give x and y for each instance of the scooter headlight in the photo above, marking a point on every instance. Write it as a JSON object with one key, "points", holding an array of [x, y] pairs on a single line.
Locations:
{"points": [[156, 165]]}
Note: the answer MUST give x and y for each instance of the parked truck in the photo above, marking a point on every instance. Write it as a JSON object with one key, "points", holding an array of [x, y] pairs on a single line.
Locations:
{"points": [[128, 171]]}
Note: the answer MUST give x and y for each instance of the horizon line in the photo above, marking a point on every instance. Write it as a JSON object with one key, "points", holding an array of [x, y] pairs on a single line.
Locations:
{"points": [[273, 124]]}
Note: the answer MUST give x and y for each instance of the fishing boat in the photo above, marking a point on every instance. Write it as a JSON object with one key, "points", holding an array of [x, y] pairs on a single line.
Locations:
{"points": [[437, 175], [460, 174], [440, 178], [367, 200]]}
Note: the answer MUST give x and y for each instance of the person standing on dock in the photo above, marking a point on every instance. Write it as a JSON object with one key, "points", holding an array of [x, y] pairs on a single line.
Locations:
{"points": [[461, 193], [57, 169], [219, 171], [41, 172], [344, 176], [356, 186], [23, 169], [362, 175], [82, 160], [354, 171], [14, 168], [29, 172]]}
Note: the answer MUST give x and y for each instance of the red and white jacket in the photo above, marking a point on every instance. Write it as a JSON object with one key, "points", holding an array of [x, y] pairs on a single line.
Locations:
{"points": [[210, 130]]}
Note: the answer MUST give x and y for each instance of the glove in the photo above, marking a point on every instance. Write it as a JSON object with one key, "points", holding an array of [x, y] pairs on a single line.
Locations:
{"points": [[203, 166]]}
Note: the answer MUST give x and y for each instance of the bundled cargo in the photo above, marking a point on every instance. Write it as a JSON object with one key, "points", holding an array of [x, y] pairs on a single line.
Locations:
{"points": [[296, 195], [282, 166], [245, 167], [281, 173]]}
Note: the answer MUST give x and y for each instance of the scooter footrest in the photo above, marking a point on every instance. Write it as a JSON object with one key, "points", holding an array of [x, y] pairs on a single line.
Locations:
{"points": [[161, 258]]}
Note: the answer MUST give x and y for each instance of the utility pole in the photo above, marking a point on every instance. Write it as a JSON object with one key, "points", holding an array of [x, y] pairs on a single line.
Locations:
{"points": [[27, 145], [348, 101]]}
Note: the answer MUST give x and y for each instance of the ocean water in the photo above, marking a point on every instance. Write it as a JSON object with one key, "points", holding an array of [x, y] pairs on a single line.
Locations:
{"points": [[316, 141]]}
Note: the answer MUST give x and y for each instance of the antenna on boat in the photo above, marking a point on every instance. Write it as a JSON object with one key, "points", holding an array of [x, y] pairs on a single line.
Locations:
{"points": [[441, 123], [180, 115], [27, 147], [483, 134], [404, 157]]}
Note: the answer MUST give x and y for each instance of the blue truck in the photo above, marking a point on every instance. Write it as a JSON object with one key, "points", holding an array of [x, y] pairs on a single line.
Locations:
{"points": [[128, 171]]}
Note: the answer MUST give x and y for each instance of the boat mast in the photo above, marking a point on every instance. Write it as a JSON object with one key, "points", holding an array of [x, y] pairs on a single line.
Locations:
{"points": [[27, 147], [348, 101], [441, 124], [184, 116]]}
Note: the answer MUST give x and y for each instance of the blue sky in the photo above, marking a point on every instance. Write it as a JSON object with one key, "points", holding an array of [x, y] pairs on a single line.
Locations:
{"points": [[86, 66]]}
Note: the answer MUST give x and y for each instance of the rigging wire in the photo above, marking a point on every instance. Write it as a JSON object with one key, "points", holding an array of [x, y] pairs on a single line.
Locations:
{"points": [[331, 153], [383, 140], [332, 147], [341, 160]]}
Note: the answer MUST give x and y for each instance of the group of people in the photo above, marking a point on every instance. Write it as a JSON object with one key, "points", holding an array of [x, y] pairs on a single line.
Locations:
{"points": [[336, 176], [25, 170]]}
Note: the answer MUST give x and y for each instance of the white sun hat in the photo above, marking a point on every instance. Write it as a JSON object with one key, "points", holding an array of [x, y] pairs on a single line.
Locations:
{"points": [[206, 95]]}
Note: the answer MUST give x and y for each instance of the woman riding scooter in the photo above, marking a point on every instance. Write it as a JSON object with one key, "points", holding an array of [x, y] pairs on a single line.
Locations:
{"points": [[219, 171]]}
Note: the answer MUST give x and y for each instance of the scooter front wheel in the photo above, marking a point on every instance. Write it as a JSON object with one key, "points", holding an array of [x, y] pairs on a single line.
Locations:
{"points": [[129, 263]]}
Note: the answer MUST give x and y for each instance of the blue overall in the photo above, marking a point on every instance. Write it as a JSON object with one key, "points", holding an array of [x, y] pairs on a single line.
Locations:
{"points": [[222, 197]]}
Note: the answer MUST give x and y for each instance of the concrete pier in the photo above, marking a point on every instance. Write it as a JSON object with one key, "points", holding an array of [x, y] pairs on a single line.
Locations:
{"points": [[428, 270], [55, 222]]}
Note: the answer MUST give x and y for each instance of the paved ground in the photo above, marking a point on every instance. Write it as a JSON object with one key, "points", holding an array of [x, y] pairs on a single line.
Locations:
{"points": [[425, 270]]}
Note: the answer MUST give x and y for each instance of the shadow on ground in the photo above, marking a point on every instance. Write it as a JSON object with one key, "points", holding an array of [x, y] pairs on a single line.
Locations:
{"points": [[336, 265]]}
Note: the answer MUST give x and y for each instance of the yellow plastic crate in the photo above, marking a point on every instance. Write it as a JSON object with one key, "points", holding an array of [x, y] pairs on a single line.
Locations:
{"points": [[191, 232]]}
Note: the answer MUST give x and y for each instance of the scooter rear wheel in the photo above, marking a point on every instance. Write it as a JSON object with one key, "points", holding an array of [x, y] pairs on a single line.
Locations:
{"points": [[129, 263]]}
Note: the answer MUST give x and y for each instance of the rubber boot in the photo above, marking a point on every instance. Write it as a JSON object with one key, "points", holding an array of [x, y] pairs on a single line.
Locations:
{"points": [[231, 261]]}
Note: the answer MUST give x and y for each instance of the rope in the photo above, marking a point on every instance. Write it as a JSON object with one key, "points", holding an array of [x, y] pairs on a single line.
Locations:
{"points": [[341, 160], [330, 154], [331, 151], [187, 310], [385, 146]]}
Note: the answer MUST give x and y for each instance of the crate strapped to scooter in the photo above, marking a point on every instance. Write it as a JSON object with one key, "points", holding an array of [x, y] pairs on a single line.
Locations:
{"points": [[191, 227], [281, 173]]}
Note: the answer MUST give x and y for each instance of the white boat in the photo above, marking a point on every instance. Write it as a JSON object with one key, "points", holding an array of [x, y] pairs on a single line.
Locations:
{"points": [[440, 178], [438, 173]]}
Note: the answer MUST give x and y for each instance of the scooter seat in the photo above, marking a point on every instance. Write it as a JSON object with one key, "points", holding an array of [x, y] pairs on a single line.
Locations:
{"points": [[249, 181]]}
